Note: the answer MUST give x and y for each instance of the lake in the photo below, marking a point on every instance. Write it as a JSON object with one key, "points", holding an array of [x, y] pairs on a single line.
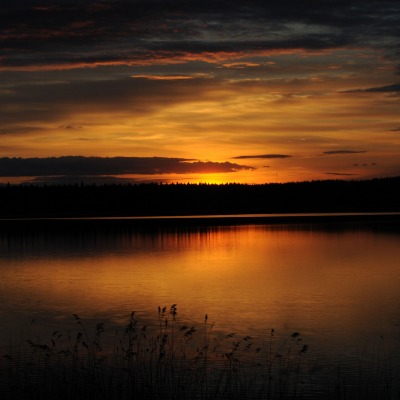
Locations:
{"points": [[335, 283]]}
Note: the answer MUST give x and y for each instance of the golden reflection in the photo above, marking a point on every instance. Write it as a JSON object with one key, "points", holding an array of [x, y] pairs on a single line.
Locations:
{"points": [[248, 279]]}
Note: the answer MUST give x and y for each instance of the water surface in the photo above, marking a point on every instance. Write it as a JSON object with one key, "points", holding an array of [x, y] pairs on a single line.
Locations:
{"points": [[336, 284]]}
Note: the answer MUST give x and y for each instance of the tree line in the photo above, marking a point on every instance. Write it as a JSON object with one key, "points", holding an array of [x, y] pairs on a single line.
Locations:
{"points": [[82, 200]]}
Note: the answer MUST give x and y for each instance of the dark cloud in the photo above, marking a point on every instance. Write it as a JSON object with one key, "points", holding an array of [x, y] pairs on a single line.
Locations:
{"points": [[68, 32], [60, 99], [262, 156], [76, 165], [97, 180], [77, 179], [388, 88], [345, 151]]}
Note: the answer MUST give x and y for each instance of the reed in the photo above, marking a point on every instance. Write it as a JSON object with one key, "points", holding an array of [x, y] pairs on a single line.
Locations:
{"points": [[171, 360]]}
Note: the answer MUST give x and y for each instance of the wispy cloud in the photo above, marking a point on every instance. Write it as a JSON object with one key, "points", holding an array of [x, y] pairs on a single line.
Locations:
{"points": [[241, 65], [76, 165], [163, 77]]}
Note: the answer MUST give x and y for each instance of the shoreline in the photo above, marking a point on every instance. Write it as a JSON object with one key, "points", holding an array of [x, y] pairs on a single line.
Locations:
{"points": [[155, 221]]}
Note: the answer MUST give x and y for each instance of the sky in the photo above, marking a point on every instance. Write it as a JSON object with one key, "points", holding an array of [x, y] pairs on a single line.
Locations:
{"points": [[209, 91]]}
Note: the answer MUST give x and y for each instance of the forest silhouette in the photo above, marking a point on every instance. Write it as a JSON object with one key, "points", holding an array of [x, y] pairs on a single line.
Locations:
{"points": [[154, 199]]}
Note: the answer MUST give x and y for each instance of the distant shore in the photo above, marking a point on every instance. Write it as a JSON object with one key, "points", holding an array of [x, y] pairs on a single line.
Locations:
{"points": [[177, 203], [389, 220]]}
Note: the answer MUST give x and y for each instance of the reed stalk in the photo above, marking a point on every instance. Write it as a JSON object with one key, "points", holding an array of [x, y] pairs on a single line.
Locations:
{"points": [[171, 360]]}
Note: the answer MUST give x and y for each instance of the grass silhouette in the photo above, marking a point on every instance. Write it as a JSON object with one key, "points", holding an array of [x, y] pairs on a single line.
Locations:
{"points": [[170, 360]]}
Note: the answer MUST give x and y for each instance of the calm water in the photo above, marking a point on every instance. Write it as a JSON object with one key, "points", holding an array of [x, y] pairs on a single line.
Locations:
{"points": [[338, 285]]}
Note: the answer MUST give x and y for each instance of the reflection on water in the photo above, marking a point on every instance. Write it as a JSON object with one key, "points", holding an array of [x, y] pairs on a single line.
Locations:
{"points": [[338, 286]]}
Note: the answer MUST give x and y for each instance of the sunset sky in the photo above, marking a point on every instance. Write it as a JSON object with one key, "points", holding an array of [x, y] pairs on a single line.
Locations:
{"points": [[212, 91]]}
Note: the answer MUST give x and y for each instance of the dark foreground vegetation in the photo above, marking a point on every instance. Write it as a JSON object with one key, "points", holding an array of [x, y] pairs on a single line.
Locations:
{"points": [[190, 199], [171, 360]]}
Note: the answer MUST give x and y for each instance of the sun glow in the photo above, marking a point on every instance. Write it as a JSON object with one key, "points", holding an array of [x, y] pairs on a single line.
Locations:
{"points": [[227, 121]]}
